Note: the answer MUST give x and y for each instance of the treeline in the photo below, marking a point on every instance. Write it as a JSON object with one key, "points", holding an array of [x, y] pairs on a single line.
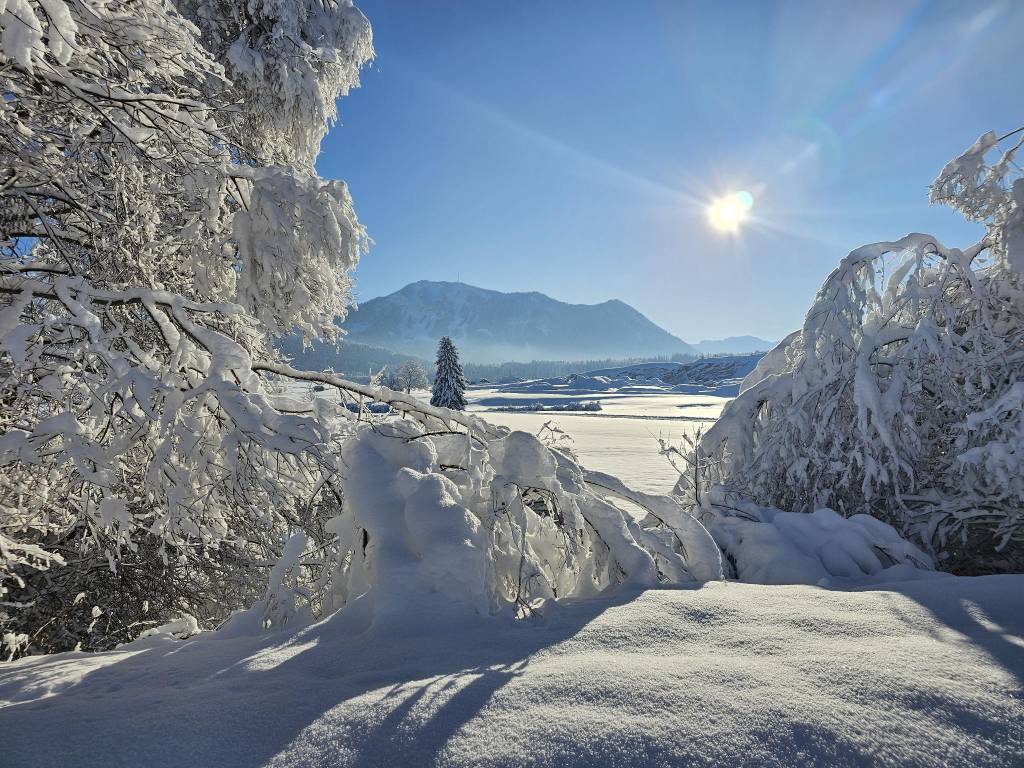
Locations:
{"points": [[544, 369], [357, 360]]}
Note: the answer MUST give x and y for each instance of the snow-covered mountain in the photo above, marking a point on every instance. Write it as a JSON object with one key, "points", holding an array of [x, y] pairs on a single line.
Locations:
{"points": [[492, 326]]}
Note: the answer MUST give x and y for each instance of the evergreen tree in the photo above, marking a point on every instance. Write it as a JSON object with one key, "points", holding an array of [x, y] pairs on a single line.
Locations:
{"points": [[450, 382]]}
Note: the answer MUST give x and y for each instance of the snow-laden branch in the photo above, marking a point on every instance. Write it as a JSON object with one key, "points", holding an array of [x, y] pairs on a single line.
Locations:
{"points": [[127, 159], [703, 557], [401, 401], [501, 524], [161, 221]]}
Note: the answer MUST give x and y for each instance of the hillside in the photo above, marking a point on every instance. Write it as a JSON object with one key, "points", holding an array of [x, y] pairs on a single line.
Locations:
{"points": [[720, 375]]}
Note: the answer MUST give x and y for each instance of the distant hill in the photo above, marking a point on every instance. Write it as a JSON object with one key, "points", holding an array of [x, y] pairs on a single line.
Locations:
{"points": [[734, 345], [719, 376], [714, 370], [492, 327]]}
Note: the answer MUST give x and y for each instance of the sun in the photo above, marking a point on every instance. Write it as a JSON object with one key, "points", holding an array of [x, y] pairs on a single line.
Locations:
{"points": [[727, 213]]}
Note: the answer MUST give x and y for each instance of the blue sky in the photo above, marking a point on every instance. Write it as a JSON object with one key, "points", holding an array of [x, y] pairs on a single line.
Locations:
{"points": [[572, 147]]}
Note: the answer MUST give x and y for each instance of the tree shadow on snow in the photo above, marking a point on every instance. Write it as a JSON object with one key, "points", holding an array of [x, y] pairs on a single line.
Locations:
{"points": [[327, 695], [334, 694], [987, 611]]}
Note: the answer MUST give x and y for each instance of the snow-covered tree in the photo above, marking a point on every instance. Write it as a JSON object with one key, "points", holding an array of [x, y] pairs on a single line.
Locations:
{"points": [[161, 221], [493, 521], [449, 382], [409, 376], [161, 224], [903, 394]]}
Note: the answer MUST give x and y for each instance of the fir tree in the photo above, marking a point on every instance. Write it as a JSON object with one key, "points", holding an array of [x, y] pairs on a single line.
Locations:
{"points": [[449, 383]]}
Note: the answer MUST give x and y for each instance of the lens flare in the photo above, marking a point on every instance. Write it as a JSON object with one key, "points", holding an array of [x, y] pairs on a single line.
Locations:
{"points": [[727, 213]]}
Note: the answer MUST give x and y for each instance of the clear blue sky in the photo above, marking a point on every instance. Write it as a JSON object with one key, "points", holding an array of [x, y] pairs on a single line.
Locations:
{"points": [[570, 147]]}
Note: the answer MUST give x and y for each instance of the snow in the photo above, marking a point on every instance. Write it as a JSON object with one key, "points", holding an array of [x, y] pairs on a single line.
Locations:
{"points": [[821, 548], [720, 375], [916, 669], [922, 673], [449, 592], [620, 439], [639, 403]]}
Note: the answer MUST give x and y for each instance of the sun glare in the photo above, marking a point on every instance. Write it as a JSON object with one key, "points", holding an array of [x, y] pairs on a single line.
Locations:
{"points": [[727, 213]]}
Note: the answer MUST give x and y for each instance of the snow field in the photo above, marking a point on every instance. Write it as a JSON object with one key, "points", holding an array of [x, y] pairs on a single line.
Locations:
{"points": [[927, 672], [622, 438], [919, 674]]}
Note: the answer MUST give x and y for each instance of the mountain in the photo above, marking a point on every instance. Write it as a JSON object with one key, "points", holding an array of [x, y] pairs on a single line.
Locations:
{"points": [[492, 327], [736, 345]]}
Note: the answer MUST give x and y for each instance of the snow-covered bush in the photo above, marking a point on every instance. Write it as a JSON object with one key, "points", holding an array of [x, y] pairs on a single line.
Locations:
{"points": [[494, 520], [901, 396], [161, 221]]}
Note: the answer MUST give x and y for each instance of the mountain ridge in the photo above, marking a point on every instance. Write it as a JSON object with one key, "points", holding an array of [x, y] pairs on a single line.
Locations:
{"points": [[492, 326]]}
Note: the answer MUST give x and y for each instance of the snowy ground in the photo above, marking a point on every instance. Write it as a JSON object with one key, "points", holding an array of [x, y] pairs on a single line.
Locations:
{"points": [[622, 438], [640, 403], [920, 674]]}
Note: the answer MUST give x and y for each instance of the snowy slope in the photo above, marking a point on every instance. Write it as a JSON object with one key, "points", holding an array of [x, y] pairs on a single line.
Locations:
{"points": [[722, 375], [491, 326], [920, 674]]}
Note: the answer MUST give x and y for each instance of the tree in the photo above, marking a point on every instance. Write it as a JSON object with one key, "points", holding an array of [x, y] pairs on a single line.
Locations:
{"points": [[161, 222], [449, 381], [902, 396], [409, 376]]}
